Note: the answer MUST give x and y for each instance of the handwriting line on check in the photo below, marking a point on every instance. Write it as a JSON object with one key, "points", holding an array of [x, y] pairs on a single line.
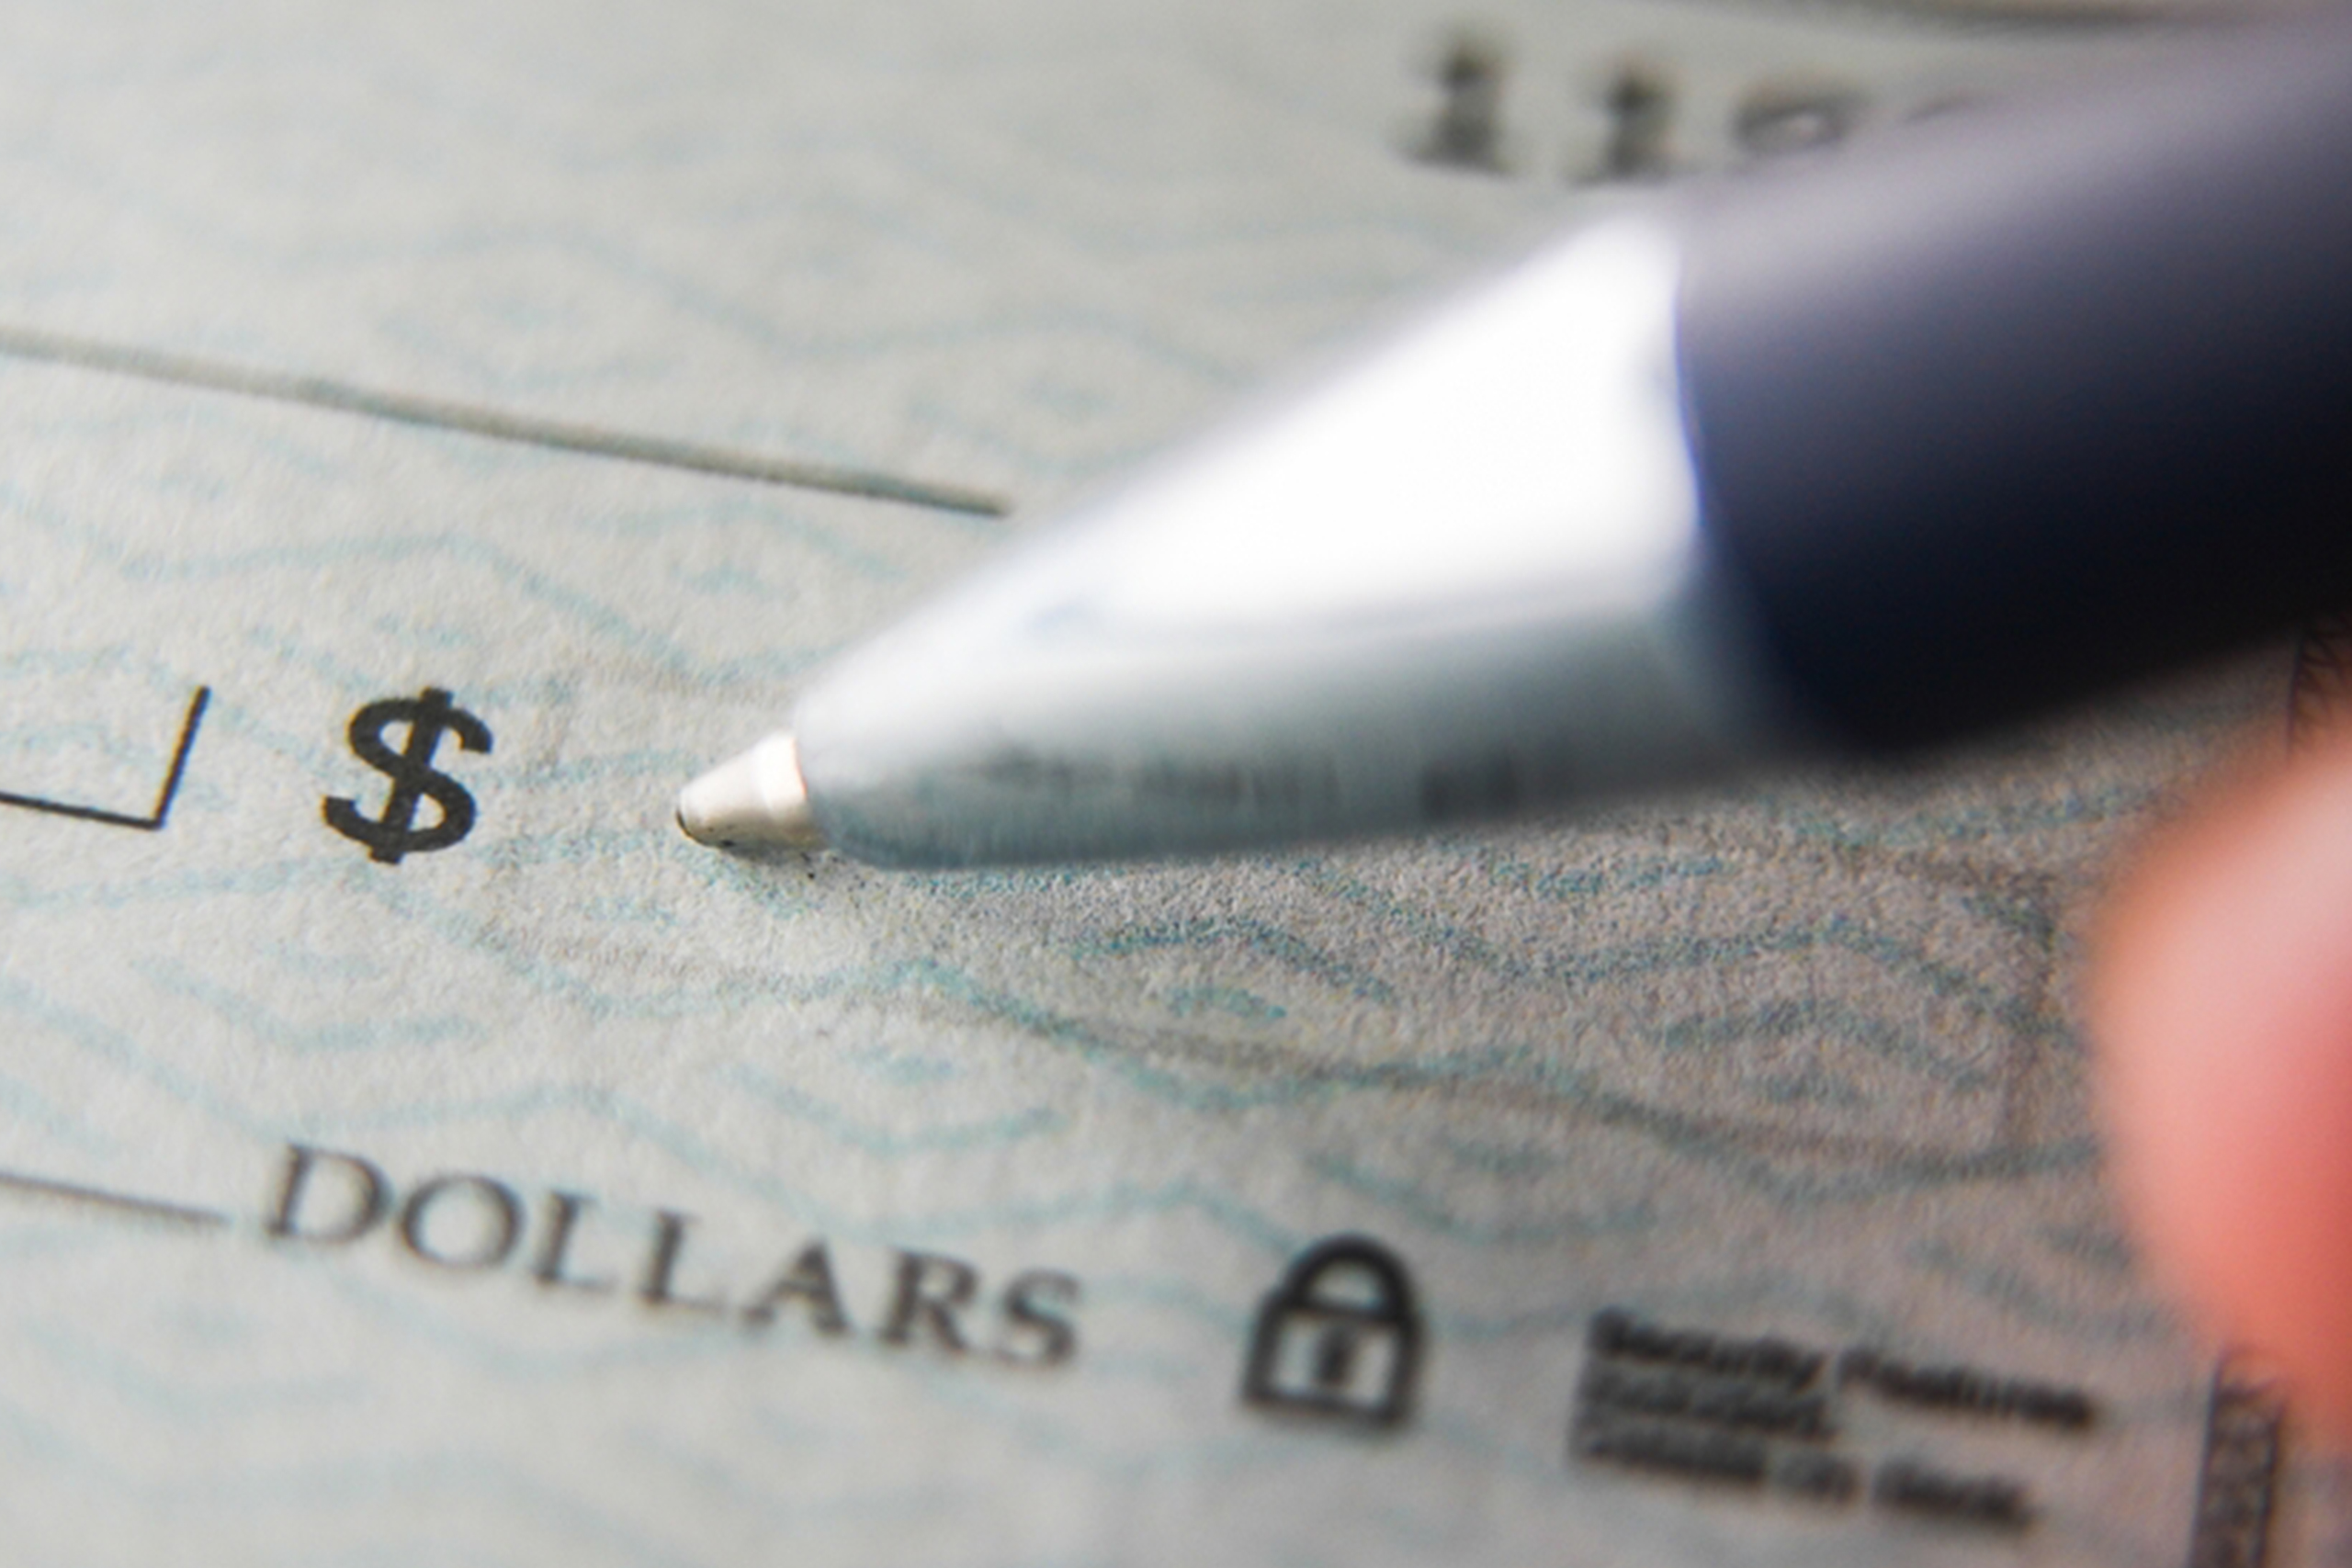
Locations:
{"points": [[496, 424]]}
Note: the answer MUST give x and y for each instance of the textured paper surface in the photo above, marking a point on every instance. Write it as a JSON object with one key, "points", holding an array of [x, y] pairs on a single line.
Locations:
{"points": [[1794, 1064]]}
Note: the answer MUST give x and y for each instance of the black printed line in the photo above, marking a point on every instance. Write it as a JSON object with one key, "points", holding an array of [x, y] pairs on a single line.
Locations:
{"points": [[496, 424], [80, 813], [149, 824], [179, 757], [113, 1202]]}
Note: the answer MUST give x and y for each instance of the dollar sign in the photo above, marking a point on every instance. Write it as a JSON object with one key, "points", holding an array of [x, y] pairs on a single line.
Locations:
{"points": [[428, 715]]}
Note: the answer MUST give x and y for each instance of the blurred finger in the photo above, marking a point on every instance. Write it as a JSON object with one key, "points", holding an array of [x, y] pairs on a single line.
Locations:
{"points": [[2219, 1000]]}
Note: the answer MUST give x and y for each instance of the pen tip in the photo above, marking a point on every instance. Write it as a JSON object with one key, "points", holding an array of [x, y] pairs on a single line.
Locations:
{"points": [[756, 798]]}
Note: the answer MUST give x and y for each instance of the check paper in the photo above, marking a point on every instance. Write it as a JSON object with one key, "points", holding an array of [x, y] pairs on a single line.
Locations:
{"points": [[429, 434]]}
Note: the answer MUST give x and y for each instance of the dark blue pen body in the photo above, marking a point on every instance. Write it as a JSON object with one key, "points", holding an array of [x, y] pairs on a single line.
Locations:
{"points": [[1996, 414]]}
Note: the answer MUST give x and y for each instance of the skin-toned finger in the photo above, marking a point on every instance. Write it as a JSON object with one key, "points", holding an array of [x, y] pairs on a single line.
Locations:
{"points": [[2219, 1002]]}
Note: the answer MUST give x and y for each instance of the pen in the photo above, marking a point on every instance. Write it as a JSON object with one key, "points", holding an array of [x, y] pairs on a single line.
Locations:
{"points": [[1928, 436]]}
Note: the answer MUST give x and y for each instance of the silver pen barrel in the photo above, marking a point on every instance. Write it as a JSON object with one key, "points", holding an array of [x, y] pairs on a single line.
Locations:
{"points": [[1463, 576]]}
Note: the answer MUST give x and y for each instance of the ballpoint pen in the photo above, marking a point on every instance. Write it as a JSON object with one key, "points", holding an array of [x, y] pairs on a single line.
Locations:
{"points": [[1930, 434]]}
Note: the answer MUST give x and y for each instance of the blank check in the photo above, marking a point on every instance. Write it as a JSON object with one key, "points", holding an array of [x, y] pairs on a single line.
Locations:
{"points": [[430, 434]]}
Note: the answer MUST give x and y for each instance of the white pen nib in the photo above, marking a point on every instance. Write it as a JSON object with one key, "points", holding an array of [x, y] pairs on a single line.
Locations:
{"points": [[756, 798]]}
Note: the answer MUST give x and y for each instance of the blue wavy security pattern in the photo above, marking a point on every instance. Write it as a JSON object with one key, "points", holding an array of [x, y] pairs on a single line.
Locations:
{"points": [[1798, 1060]]}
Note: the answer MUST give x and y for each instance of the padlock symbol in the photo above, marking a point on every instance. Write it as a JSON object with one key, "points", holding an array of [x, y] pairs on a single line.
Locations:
{"points": [[1339, 1337]]}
